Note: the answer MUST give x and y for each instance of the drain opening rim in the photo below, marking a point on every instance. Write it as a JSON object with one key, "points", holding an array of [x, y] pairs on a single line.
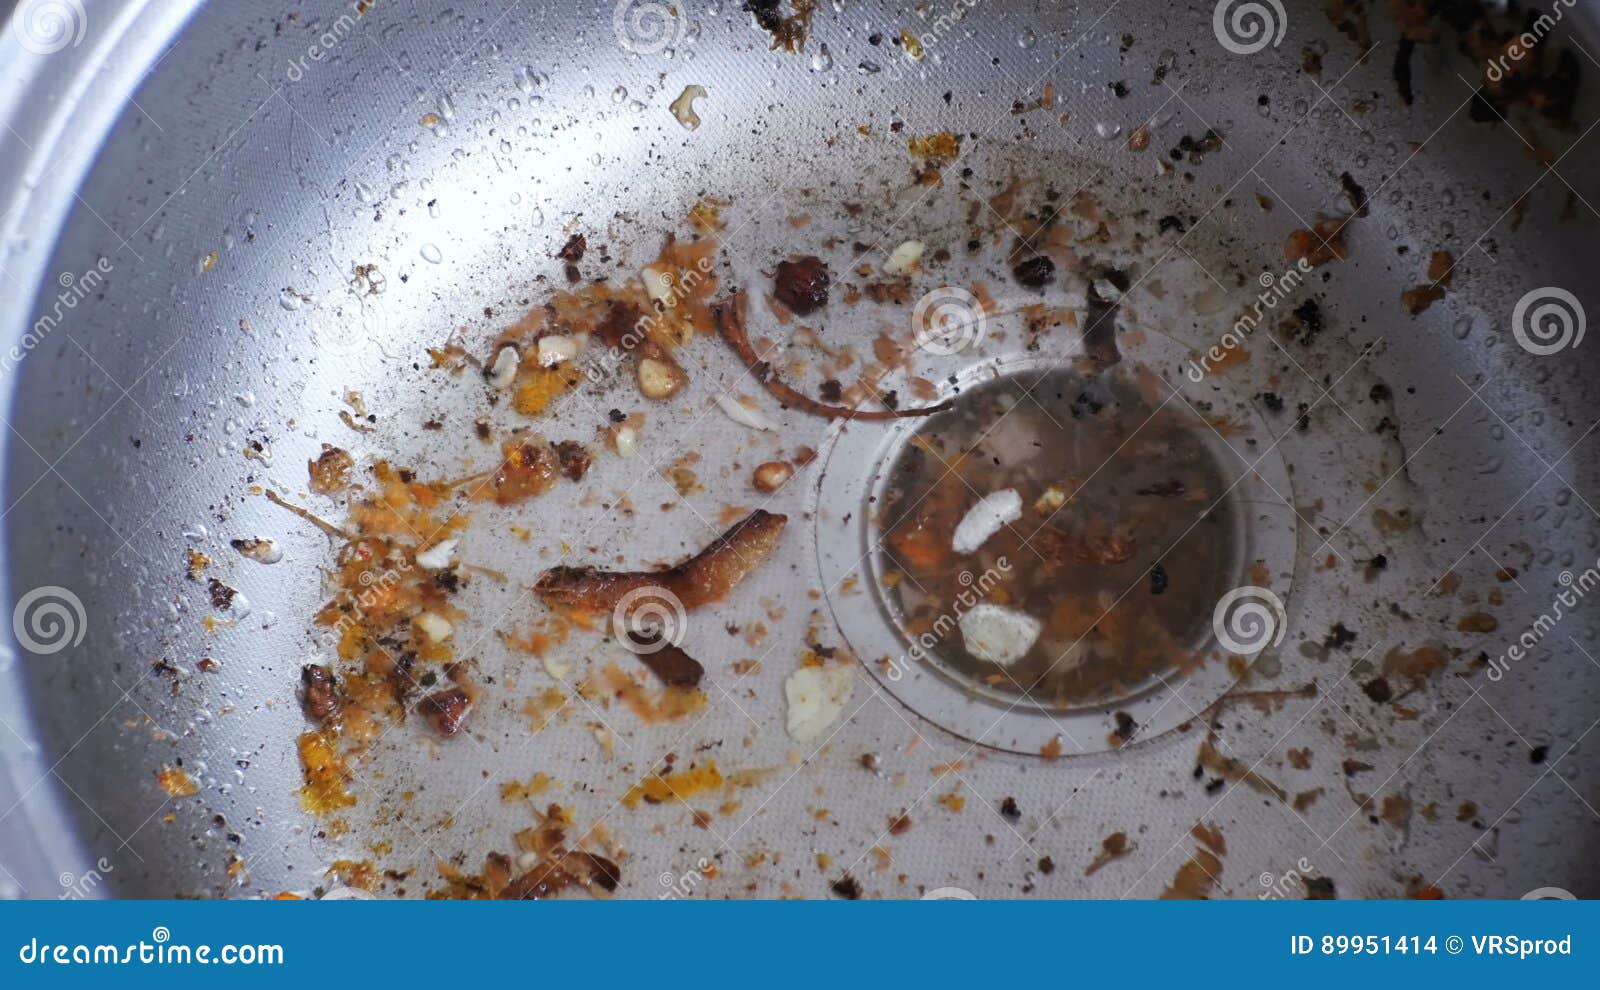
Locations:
{"points": [[850, 562]]}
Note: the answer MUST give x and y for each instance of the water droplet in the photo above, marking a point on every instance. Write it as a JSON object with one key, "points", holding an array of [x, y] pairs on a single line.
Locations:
{"points": [[1027, 39]]}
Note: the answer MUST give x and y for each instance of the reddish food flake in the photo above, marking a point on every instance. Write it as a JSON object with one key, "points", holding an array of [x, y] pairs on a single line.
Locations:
{"points": [[802, 284]]}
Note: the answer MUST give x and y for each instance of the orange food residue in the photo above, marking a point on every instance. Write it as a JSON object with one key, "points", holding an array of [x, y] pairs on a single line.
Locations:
{"points": [[176, 782], [325, 774], [656, 789]]}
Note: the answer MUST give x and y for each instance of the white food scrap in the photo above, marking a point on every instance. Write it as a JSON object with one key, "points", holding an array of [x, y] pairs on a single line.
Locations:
{"points": [[683, 107], [905, 258], [998, 634], [504, 369], [984, 519], [816, 697]]}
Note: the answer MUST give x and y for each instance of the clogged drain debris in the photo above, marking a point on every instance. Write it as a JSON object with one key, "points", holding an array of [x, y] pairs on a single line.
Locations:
{"points": [[1030, 579]]}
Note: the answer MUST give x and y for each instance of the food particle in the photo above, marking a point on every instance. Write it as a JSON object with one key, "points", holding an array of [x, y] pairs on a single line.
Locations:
{"points": [[998, 634], [772, 475], [683, 107], [504, 369], [904, 259], [816, 697], [985, 519]]}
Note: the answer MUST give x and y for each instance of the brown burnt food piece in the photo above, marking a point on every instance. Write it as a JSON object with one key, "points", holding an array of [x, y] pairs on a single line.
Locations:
{"points": [[320, 699], [596, 873], [846, 887], [802, 284], [624, 328], [331, 470], [706, 577], [221, 594], [667, 660], [1100, 339], [574, 459], [446, 710], [1035, 272], [540, 883], [730, 326], [575, 248]]}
